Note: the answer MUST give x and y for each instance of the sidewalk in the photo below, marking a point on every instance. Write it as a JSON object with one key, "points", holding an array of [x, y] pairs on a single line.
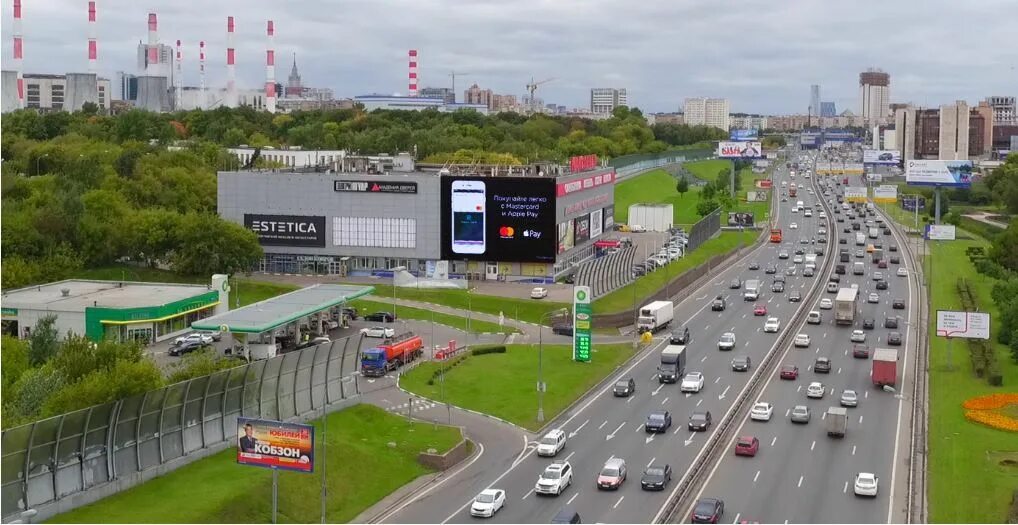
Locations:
{"points": [[984, 218]]}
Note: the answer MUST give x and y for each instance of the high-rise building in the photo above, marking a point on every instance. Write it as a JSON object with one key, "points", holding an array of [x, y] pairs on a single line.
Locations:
{"points": [[127, 86], [828, 109], [951, 132], [605, 100], [1003, 110], [747, 121], [475, 95], [814, 100], [294, 89], [702, 111], [874, 96], [444, 93]]}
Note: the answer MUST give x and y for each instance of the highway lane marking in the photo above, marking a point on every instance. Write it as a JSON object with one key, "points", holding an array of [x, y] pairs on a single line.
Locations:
{"points": [[839, 368], [677, 429], [618, 502], [665, 400], [572, 498], [757, 476], [717, 379], [860, 420], [651, 462], [690, 440], [573, 433], [527, 494], [698, 402], [746, 344], [775, 439], [639, 427], [787, 411], [866, 394], [612, 434], [845, 490], [800, 481], [853, 450], [707, 328], [823, 415], [658, 389], [704, 359], [630, 400], [743, 316], [603, 424], [811, 447], [797, 390]]}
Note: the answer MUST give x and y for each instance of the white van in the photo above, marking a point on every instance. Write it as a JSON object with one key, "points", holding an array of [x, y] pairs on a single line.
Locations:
{"points": [[858, 268], [860, 239], [799, 205], [551, 443]]}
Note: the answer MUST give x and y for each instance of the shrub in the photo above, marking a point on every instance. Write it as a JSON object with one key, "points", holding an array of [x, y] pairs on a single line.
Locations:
{"points": [[488, 349], [449, 364]]}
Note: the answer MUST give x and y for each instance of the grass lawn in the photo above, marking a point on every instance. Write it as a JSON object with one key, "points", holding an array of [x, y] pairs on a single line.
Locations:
{"points": [[361, 471], [249, 291], [520, 309], [622, 299], [503, 385], [657, 186], [455, 321], [707, 170], [710, 170]]}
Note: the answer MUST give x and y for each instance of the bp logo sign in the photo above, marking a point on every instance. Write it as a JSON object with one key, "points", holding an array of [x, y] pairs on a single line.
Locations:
{"points": [[581, 324], [581, 295]]}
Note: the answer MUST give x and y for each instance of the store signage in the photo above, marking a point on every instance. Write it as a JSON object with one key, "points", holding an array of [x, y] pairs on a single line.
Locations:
{"points": [[287, 230], [582, 319], [582, 163], [589, 203], [586, 183], [372, 186], [9, 312]]}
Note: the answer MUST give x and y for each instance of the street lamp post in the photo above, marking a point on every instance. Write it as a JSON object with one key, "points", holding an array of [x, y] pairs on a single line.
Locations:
{"points": [[394, 270], [540, 362]]}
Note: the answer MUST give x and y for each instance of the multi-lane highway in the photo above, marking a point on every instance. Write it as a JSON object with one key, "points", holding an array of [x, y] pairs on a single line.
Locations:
{"points": [[604, 427]]}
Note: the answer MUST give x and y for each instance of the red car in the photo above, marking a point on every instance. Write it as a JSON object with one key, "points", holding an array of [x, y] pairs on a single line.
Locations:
{"points": [[759, 309], [747, 446], [882, 264], [789, 372]]}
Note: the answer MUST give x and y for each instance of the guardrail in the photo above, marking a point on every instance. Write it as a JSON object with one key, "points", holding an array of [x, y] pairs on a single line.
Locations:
{"points": [[728, 425]]}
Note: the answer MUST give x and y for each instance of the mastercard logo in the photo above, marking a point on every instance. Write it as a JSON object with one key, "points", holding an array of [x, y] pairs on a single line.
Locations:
{"points": [[506, 232]]}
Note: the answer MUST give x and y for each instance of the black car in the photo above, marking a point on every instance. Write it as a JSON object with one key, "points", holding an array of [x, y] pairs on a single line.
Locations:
{"points": [[842, 240], [708, 510], [778, 286], [839, 270], [822, 365], [869, 323], [719, 304], [658, 421], [771, 269], [700, 421], [887, 231], [892, 248], [800, 251], [891, 322], [894, 338], [350, 313], [881, 285], [794, 296], [562, 328], [898, 304], [741, 364], [840, 218], [856, 226], [895, 259], [624, 387], [656, 477], [735, 284], [185, 347], [754, 265], [680, 336], [380, 317]]}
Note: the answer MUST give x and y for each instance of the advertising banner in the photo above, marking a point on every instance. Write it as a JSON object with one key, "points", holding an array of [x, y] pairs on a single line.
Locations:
{"points": [[737, 218], [582, 163], [874, 177], [763, 183], [908, 203], [743, 134], [739, 150], [954, 173], [582, 229], [885, 193], [940, 232], [596, 223], [609, 218], [373, 186], [582, 318], [565, 236], [287, 230], [275, 444], [967, 325], [856, 194], [593, 181], [509, 219], [881, 156], [756, 196]]}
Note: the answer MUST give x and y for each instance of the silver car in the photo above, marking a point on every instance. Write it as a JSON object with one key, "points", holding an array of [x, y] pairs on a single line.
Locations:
{"points": [[849, 398], [800, 414]]}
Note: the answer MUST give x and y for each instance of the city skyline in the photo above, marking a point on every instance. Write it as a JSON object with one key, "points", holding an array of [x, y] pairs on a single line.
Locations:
{"points": [[544, 40]]}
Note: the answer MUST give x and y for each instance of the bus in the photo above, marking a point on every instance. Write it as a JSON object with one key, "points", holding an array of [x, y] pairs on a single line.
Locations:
{"points": [[776, 236]]}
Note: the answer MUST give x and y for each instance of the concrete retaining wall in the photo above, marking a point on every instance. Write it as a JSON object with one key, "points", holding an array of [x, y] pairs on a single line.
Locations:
{"points": [[447, 460]]}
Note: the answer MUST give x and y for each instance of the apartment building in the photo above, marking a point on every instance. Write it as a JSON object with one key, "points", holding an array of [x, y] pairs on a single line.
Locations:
{"points": [[702, 111]]}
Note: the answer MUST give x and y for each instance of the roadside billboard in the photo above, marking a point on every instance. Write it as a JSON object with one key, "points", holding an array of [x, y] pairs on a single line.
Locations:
{"points": [[954, 173], [275, 444], [874, 177], [855, 194], [940, 232], [738, 218], [763, 184], [596, 223], [756, 196], [966, 325], [885, 193], [881, 156], [740, 150], [743, 134], [582, 319]]}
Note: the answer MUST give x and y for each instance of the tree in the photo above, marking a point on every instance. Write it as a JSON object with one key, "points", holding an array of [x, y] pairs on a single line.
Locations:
{"points": [[31, 391], [44, 341], [89, 108], [705, 206], [682, 186], [1004, 250], [14, 356], [124, 379], [208, 244], [79, 356], [197, 364]]}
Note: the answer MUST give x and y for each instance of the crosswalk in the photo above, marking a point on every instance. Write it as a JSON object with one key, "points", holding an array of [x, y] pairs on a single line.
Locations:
{"points": [[417, 406]]}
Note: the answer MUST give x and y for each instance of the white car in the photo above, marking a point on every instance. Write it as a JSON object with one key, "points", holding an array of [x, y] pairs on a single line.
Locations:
{"points": [[772, 325], [551, 443], [866, 484], [801, 340], [727, 341], [487, 503], [636, 228], [823, 214], [196, 337], [902, 272], [378, 331], [877, 276], [826, 304], [539, 292], [813, 317], [555, 478], [693, 382], [782, 254], [873, 298], [858, 336], [815, 390], [793, 226], [761, 412]]}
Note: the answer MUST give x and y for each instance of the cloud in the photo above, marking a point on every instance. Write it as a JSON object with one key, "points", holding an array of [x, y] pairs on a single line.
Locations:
{"points": [[761, 55]]}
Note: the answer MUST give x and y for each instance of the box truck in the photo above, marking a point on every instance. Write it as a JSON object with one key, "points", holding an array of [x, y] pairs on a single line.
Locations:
{"points": [[655, 316], [844, 305], [885, 366], [673, 364], [752, 292], [836, 421]]}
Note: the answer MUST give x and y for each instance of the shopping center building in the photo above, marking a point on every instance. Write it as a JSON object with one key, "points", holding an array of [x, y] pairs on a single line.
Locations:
{"points": [[527, 225]]}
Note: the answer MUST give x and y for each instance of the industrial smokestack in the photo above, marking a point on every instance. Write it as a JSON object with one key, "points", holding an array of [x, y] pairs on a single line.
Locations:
{"points": [[270, 69], [152, 67], [178, 79], [93, 50], [413, 72], [18, 53], [201, 71], [231, 70]]}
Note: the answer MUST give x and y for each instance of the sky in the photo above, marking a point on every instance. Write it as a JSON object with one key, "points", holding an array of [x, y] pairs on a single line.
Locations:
{"points": [[763, 56]]}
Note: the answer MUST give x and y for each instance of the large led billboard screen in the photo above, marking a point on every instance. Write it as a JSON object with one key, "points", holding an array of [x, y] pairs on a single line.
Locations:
{"points": [[956, 173], [509, 219]]}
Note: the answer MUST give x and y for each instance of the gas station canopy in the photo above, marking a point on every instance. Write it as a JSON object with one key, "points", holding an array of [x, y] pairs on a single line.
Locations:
{"points": [[267, 315]]}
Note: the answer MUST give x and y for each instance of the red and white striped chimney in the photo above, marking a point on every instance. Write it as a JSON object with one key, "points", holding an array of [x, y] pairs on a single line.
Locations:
{"points": [[231, 71], [201, 72], [178, 80], [18, 53], [152, 67], [93, 49], [413, 72], [270, 69]]}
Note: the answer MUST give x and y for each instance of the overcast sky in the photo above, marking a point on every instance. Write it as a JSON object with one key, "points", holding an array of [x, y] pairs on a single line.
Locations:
{"points": [[763, 56]]}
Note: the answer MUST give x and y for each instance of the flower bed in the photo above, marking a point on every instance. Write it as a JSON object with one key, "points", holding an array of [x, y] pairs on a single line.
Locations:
{"points": [[985, 410]]}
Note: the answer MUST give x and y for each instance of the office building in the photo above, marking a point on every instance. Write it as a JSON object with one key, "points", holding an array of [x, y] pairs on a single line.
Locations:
{"points": [[950, 132], [702, 111], [605, 100], [874, 96], [127, 86], [814, 100], [828, 109], [1003, 109]]}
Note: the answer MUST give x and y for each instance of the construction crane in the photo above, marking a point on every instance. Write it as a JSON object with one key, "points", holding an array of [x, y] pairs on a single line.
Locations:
{"points": [[453, 75], [532, 87]]}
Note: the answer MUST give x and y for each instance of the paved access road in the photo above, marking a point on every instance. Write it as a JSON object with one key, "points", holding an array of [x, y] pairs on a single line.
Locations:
{"points": [[602, 426], [800, 474]]}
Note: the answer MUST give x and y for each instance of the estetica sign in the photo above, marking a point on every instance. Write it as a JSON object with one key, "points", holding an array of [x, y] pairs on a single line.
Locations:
{"points": [[287, 230], [371, 186]]}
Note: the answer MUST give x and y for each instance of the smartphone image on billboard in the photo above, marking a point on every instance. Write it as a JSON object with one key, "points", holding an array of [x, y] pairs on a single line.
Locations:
{"points": [[468, 209]]}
